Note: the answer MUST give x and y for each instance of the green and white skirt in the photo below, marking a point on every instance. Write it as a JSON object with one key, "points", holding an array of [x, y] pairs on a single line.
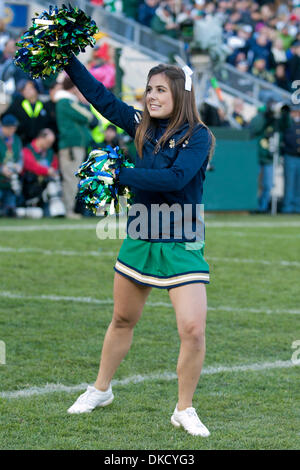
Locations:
{"points": [[162, 264]]}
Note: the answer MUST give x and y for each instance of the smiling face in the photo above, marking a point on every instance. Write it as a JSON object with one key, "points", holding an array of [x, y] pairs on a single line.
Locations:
{"points": [[159, 99]]}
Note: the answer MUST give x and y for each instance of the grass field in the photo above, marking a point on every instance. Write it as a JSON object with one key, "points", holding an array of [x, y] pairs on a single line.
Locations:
{"points": [[56, 303]]}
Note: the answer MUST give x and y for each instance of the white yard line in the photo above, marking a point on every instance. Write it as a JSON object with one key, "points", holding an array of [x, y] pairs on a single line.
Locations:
{"points": [[282, 236], [165, 376], [266, 224], [6, 249], [91, 300], [42, 251], [255, 261], [45, 227]]}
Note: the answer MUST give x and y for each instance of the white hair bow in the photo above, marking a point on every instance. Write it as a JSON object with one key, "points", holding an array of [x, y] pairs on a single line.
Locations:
{"points": [[188, 77]]}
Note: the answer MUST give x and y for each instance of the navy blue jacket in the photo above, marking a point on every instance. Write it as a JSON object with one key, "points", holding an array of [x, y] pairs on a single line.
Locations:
{"points": [[174, 175]]}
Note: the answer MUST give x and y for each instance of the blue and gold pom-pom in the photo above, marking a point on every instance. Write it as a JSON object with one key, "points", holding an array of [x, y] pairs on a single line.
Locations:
{"points": [[53, 38], [98, 187]]}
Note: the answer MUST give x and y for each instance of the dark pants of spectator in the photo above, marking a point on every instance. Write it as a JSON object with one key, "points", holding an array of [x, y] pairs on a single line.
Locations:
{"points": [[8, 202], [291, 200], [266, 180]]}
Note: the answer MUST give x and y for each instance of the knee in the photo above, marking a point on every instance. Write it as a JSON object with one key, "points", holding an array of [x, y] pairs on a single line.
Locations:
{"points": [[123, 320], [194, 334]]}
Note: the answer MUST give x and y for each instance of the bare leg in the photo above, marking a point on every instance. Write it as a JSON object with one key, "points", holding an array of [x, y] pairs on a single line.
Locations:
{"points": [[129, 300], [189, 302]]}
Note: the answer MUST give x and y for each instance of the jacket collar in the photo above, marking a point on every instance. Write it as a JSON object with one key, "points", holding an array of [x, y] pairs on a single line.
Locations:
{"points": [[64, 94]]}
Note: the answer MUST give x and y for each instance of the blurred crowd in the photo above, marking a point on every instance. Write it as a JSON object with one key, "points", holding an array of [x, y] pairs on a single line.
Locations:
{"points": [[260, 37], [47, 128]]}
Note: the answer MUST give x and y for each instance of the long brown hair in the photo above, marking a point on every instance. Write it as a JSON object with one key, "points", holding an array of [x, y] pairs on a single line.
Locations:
{"points": [[184, 110]]}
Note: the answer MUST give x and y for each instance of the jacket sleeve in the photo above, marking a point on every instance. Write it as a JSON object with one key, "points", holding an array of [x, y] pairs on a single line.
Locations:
{"points": [[113, 109], [187, 164], [54, 163], [30, 164], [257, 125]]}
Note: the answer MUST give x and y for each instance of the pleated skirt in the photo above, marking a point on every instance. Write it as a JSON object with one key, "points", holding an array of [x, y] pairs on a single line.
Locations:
{"points": [[162, 264]]}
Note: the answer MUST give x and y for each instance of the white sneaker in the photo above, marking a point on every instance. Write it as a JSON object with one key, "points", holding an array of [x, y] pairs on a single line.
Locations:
{"points": [[92, 398], [190, 421]]}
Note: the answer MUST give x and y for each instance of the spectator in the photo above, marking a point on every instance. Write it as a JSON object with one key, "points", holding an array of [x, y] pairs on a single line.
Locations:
{"points": [[4, 35], [74, 137], [267, 13], [294, 62], [99, 3], [110, 137], [147, 11], [228, 31], [100, 124], [130, 8], [243, 8], [10, 74], [164, 21], [278, 54], [245, 32], [209, 8], [259, 49], [40, 167], [10, 165], [8, 51], [29, 111], [110, 5], [285, 36], [238, 112], [259, 70], [102, 66], [213, 116], [198, 9], [291, 151], [263, 126], [243, 66], [281, 79], [238, 48], [50, 107]]}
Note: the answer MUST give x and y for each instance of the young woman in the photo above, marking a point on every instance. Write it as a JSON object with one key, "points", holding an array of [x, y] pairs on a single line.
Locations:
{"points": [[173, 148]]}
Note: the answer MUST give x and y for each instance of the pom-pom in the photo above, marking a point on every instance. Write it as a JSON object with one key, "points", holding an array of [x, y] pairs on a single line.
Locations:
{"points": [[97, 186], [53, 38]]}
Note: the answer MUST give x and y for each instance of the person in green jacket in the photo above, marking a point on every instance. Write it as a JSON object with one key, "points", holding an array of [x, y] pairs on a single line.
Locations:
{"points": [[73, 120], [130, 8], [165, 20], [10, 165], [270, 120]]}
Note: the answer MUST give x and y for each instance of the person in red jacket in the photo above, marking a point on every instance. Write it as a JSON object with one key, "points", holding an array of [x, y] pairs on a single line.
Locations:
{"points": [[39, 157], [40, 165]]}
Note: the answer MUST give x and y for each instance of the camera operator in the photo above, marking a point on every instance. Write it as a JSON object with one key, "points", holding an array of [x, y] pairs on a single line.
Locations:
{"points": [[271, 120], [41, 169], [10, 165]]}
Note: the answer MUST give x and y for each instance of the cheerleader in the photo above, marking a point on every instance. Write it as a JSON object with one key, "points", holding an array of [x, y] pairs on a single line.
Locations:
{"points": [[173, 147]]}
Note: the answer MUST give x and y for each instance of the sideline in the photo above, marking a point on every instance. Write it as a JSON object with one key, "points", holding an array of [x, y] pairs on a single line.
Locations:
{"points": [[6, 249], [109, 301], [92, 226], [52, 388]]}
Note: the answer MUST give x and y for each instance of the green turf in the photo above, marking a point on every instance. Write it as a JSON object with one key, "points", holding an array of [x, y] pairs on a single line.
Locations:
{"points": [[59, 341]]}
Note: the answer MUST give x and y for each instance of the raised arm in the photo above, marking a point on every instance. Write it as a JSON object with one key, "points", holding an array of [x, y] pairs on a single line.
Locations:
{"points": [[112, 108], [189, 161]]}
